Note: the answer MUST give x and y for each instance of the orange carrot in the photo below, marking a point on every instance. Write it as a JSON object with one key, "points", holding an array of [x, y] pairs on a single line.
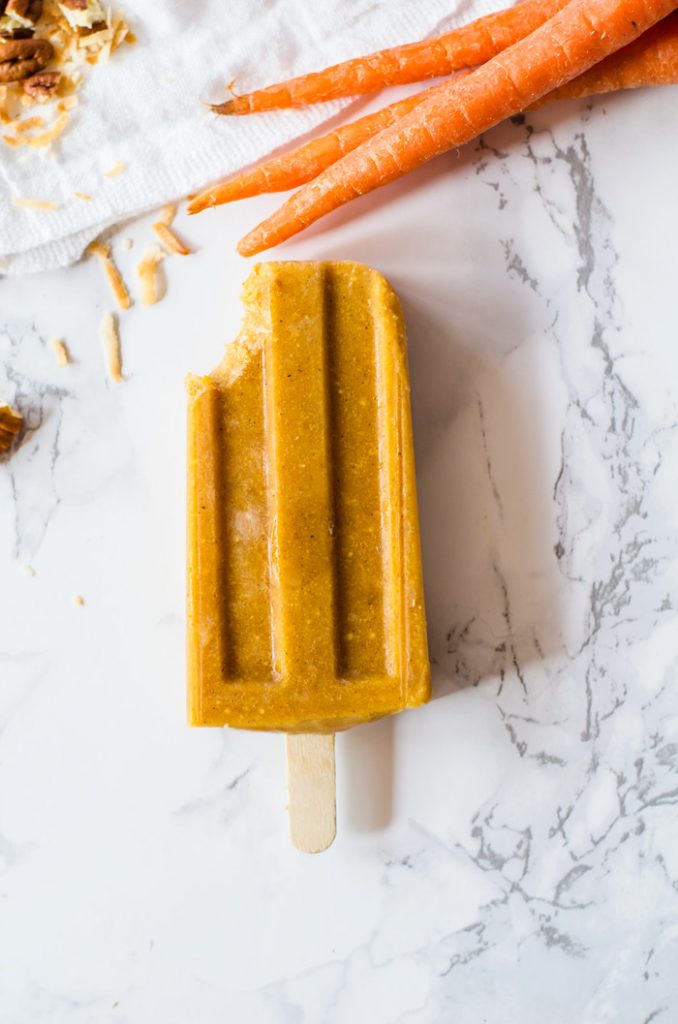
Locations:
{"points": [[650, 60], [571, 42], [431, 58], [301, 165]]}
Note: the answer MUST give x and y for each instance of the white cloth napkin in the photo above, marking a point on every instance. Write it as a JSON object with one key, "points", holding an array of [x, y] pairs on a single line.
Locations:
{"points": [[144, 108]]}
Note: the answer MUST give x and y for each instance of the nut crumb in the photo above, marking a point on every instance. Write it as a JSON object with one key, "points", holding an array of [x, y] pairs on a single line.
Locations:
{"points": [[108, 332], [61, 352], [78, 600], [126, 243], [11, 423], [27, 570], [115, 170], [118, 286], [147, 271]]}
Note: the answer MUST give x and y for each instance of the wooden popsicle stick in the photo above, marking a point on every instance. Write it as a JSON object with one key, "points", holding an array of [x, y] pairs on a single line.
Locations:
{"points": [[312, 802]]}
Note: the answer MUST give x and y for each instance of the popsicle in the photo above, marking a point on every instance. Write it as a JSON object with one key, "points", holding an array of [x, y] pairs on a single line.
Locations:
{"points": [[305, 600]]}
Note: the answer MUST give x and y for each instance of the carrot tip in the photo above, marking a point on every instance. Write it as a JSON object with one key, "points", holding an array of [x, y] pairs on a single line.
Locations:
{"points": [[208, 199], [248, 246], [227, 107]]}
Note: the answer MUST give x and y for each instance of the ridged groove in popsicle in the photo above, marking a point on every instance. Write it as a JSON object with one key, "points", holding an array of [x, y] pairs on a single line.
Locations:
{"points": [[238, 432], [300, 479], [205, 647], [388, 347], [360, 500]]}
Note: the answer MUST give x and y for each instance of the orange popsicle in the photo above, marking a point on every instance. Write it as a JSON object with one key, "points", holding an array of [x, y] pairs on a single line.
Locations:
{"points": [[305, 601]]}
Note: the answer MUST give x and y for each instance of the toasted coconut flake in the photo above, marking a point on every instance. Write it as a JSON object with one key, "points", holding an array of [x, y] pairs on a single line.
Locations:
{"points": [[78, 600], [67, 103], [118, 286], [61, 352], [26, 203], [11, 423], [95, 40], [115, 170], [12, 141], [83, 195], [121, 32], [53, 133], [148, 274], [27, 125], [170, 240], [108, 332], [167, 214], [99, 248]]}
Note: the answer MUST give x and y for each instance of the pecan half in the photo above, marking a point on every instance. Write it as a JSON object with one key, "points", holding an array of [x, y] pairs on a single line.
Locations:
{"points": [[21, 58], [42, 86]]}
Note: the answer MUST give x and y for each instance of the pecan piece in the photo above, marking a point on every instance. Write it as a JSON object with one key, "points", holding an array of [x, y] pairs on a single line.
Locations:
{"points": [[82, 14], [11, 423], [21, 58], [27, 12], [42, 86], [16, 33], [18, 18]]}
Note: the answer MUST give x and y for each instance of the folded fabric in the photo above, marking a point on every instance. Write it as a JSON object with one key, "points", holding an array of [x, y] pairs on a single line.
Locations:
{"points": [[143, 109]]}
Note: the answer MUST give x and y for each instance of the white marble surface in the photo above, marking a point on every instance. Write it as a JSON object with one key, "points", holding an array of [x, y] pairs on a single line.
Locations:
{"points": [[506, 855]]}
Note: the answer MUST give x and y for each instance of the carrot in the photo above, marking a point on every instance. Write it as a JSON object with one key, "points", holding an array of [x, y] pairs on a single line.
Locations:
{"points": [[304, 163], [431, 58], [571, 42], [650, 60]]}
